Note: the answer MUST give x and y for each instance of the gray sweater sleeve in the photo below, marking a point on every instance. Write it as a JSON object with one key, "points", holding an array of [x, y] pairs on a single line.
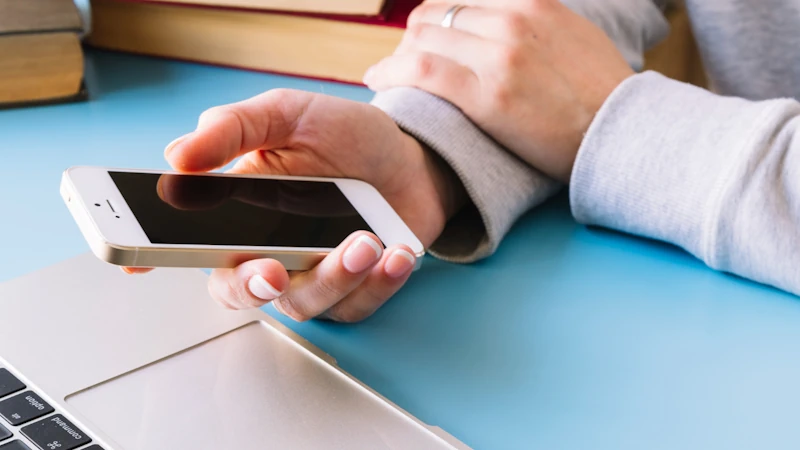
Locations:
{"points": [[718, 176], [500, 186]]}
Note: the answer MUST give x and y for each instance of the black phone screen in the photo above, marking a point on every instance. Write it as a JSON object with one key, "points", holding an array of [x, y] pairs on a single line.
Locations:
{"points": [[213, 210]]}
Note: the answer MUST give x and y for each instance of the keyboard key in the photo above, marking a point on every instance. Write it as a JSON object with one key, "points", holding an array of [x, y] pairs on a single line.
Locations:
{"points": [[24, 408], [9, 383], [4, 433], [55, 433], [14, 445], [93, 447]]}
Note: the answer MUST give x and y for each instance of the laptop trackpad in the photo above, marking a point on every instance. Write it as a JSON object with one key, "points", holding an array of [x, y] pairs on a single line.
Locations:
{"points": [[252, 388]]}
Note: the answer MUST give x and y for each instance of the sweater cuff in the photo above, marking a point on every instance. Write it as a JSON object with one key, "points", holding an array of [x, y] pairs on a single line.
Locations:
{"points": [[500, 186], [658, 160]]}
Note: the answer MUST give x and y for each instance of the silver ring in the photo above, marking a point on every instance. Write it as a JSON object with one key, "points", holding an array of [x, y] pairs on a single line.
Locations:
{"points": [[450, 15]]}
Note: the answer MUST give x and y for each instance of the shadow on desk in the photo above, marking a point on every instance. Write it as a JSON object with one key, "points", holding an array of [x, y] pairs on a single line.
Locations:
{"points": [[108, 72]]}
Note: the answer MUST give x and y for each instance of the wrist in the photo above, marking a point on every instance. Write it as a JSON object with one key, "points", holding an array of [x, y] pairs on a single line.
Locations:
{"points": [[439, 193], [449, 188]]}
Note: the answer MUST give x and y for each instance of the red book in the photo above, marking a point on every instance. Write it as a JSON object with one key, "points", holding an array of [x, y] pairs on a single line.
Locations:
{"points": [[338, 48]]}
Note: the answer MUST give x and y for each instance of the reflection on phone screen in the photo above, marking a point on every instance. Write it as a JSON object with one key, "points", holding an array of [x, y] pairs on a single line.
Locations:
{"points": [[212, 210]]}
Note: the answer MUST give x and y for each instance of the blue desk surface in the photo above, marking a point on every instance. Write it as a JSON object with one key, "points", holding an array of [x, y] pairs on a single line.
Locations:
{"points": [[568, 337]]}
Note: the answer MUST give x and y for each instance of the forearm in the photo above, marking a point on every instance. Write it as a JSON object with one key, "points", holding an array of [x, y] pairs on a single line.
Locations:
{"points": [[717, 176], [500, 187]]}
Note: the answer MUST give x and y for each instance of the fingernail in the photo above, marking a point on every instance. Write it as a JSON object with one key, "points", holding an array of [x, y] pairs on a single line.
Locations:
{"points": [[361, 254], [171, 146], [400, 263], [262, 289]]}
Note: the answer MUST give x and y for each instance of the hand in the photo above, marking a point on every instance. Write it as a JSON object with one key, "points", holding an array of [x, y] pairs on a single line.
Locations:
{"points": [[531, 73], [286, 132]]}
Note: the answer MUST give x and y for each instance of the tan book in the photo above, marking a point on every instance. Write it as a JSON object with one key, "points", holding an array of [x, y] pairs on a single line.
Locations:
{"points": [[37, 68], [299, 45], [344, 7], [25, 16], [677, 56]]}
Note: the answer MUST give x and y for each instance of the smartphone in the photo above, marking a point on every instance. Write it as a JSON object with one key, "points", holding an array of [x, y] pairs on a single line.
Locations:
{"points": [[143, 218]]}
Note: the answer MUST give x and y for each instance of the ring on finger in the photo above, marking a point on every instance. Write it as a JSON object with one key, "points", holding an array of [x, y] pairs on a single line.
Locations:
{"points": [[450, 15]]}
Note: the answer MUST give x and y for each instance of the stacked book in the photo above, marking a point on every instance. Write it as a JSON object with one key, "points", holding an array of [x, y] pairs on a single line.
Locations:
{"points": [[327, 39], [41, 59]]}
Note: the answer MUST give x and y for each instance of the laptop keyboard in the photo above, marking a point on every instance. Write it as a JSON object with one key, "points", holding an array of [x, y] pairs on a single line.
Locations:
{"points": [[24, 412]]}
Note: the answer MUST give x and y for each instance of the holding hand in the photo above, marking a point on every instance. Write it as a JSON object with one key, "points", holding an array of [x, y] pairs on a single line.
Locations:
{"points": [[286, 132], [531, 73]]}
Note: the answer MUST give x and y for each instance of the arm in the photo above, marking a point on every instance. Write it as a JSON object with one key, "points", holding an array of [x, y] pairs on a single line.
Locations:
{"points": [[720, 178], [502, 187]]}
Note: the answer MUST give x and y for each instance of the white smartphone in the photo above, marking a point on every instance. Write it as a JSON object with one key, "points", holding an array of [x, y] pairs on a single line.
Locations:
{"points": [[142, 218]]}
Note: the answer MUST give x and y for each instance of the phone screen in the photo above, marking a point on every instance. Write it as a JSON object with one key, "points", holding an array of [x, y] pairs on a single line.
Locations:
{"points": [[213, 210]]}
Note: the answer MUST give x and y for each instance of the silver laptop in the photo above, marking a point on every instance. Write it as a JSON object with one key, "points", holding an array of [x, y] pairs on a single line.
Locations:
{"points": [[93, 359]]}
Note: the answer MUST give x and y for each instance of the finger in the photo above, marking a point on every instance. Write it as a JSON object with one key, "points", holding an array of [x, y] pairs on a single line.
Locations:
{"points": [[226, 132], [341, 272], [427, 71], [384, 280], [250, 285], [506, 5], [486, 22], [136, 270], [462, 47]]}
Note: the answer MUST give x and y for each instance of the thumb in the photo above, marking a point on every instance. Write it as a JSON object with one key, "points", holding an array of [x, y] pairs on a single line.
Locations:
{"points": [[226, 132]]}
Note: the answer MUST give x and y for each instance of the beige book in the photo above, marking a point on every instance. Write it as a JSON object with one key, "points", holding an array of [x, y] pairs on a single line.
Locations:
{"points": [[40, 67]]}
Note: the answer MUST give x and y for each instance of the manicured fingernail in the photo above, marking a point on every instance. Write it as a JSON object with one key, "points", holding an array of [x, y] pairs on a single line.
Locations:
{"points": [[171, 146], [400, 263], [361, 254], [262, 289]]}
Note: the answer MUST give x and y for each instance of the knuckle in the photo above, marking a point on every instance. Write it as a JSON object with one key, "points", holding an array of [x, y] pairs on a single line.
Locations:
{"points": [[417, 32], [326, 288], [509, 57], [290, 306], [515, 24], [423, 65], [540, 7]]}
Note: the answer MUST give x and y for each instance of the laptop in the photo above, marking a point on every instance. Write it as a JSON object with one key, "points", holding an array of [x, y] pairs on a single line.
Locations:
{"points": [[93, 359]]}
